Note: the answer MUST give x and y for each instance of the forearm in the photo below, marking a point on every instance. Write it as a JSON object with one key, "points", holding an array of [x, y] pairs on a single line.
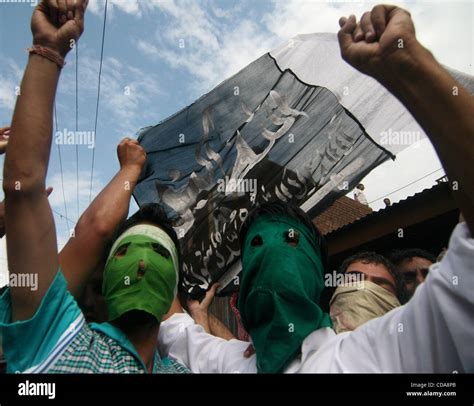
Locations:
{"points": [[444, 109], [202, 318], [212, 325], [86, 248], [28, 151], [219, 329], [111, 206]]}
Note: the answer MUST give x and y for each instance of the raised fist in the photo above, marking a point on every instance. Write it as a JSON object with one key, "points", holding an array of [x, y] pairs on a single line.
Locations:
{"points": [[383, 40], [131, 153], [58, 24]]}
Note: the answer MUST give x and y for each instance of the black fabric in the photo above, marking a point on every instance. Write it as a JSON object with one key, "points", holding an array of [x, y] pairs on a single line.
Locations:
{"points": [[261, 125]]}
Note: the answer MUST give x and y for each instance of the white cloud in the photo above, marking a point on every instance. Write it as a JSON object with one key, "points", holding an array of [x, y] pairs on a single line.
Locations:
{"points": [[73, 189], [445, 27], [124, 91], [292, 17], [210, 46], [15, 70], [10, 80], [132, 7], [7, 94]]}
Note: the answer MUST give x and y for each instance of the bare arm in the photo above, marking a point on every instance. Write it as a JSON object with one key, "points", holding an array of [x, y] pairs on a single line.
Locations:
{"points": [[199, 311], [219, 329], [31, 235], [83, 252], [384, 46]]}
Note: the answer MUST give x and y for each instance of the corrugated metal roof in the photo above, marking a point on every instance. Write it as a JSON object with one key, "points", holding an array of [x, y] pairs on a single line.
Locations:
{"points": [[387, 210]]}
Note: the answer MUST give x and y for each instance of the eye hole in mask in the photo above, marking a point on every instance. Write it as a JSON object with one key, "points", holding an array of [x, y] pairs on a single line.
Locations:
{"points": [[256, 241], [121, 251], [158, 248], [292, 237]]}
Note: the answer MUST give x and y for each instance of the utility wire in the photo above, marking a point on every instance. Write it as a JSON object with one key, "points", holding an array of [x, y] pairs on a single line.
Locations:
{"points": [[61, 168], [66, 218], [403, 187], [98, 100]]}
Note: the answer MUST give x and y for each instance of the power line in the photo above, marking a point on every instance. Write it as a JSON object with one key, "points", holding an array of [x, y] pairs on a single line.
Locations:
{"points": [[403, 187], [64, 217], [61, 168], [77, 125], [98, 100]]}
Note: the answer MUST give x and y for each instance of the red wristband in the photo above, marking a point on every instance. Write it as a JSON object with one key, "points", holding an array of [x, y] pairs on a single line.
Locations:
{"points": [[48, 54]]}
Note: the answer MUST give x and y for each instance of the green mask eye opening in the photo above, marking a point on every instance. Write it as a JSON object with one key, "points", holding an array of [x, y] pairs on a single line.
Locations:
{"points": [[159, 249], [257, 241], [121, 250], [292, 237]]}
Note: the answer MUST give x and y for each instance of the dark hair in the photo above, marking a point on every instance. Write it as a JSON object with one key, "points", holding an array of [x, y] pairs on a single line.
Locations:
{"points": [[150, 213], [370, 257], [280, 208], [398, 256]]}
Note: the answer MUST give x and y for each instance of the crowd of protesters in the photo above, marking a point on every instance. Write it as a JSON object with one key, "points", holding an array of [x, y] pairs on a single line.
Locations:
{"points": [[410, 314]]}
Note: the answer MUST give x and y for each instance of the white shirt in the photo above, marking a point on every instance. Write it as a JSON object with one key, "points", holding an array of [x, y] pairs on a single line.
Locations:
{"points": [[359, 195], [433, 332]]}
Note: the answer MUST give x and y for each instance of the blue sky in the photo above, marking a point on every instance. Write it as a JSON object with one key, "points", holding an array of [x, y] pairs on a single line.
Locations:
{"points": [[162, 55]]}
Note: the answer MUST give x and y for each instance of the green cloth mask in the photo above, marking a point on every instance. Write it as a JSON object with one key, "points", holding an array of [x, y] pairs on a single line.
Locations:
{"points": [[280, 289], [126, 289]]}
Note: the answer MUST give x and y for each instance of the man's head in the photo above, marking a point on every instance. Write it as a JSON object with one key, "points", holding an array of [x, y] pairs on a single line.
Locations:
{"points": [[283, 262], [374, 289], [387, 202], [414, 265], [279, 209], [142, 268], [360, 186], [377, 269]]}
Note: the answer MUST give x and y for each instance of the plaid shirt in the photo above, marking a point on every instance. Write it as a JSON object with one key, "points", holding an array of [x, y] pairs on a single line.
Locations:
{"points": [[58, 340], [92, 351]]}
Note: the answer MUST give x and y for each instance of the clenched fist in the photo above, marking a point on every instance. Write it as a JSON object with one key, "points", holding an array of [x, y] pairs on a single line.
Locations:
{"points": [[382, 41], [58, 24], [131, 153]]}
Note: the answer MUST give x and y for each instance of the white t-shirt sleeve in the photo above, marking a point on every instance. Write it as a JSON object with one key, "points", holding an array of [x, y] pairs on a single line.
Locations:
{"points": [[186, 342], [433, 332]]}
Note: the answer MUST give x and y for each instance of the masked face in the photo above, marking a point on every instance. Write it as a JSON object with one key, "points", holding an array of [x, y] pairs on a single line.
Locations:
{"points": [[355, 304], [282, 279], [141, 273]]}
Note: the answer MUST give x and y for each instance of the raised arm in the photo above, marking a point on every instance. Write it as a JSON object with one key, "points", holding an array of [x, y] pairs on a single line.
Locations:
{"points": [[383, 45], [31, 235], [83, 252], [199, 311]]}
